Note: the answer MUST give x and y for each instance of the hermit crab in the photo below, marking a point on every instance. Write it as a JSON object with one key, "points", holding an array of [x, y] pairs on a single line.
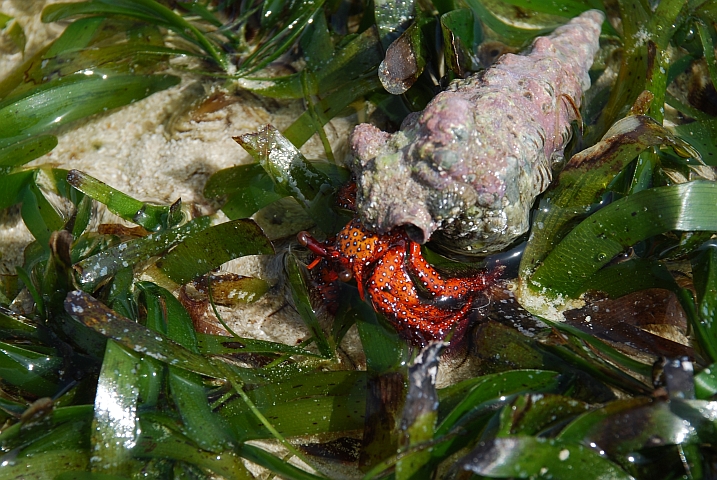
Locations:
{"points": [[464, 172]]}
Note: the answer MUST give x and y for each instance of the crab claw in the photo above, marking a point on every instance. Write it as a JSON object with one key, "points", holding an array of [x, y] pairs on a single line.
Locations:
{"points": [[306, 240]]}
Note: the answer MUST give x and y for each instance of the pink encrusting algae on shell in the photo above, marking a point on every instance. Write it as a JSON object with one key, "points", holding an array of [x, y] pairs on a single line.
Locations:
{"points": [[466, 170]]}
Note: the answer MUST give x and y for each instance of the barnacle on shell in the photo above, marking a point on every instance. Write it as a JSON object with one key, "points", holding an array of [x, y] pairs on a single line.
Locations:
{"points": [[466, 170]]}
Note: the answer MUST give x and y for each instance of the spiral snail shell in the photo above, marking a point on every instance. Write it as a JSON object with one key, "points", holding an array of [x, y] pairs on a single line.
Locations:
{"points": [[466, 170]]}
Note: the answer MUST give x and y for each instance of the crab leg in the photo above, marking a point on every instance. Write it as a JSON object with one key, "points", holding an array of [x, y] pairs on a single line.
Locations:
{"points": [[393, 293], [440, 285]]}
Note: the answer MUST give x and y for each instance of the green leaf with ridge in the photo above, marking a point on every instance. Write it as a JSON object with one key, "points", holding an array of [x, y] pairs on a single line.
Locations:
{"points": [[302, 303], [116, 426], [594, 242], [152, 217], [124, 331], [32, 371], [71, 98], [147, 10], [159, 440], [166, 315], [25, 151], [531, 457], [206, 250], [100, 266]]}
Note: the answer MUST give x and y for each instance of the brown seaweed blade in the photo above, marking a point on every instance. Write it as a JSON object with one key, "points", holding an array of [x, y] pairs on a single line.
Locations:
{"points": [[469, 167]]}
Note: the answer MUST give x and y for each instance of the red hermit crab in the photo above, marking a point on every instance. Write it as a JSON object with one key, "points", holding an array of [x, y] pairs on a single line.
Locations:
{"points": [[464, 172], [391, 272]]}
